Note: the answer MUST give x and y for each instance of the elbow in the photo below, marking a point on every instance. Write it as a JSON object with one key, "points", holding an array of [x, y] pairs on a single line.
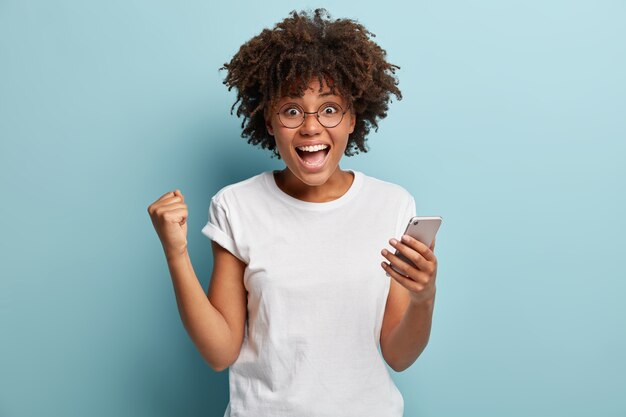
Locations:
{"points": [[220, 359], [392, 361], [400, 367], [396, 369], [216, 364], [222, 363], [217, 367], [399, 364], [394, 364]]}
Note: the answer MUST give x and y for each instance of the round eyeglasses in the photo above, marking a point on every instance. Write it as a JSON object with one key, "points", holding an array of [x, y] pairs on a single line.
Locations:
{"points": [[328, 114]]}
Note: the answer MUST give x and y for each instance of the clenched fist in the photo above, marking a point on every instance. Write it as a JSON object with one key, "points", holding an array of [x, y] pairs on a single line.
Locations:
{"points": [[169, 218]]}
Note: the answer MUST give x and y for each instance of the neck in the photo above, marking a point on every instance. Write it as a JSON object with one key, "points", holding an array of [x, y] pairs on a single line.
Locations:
{"points": [[336, 186]]}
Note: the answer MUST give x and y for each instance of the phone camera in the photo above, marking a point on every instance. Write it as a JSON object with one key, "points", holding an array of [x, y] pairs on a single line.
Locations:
{"points": [[415, 222]]}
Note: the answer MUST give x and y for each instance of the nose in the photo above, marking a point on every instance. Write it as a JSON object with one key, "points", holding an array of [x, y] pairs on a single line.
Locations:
{"points": [[311, 125]]}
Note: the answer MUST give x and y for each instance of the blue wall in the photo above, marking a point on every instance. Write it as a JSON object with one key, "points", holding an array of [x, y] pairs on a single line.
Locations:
{"points": [[512, 128]]}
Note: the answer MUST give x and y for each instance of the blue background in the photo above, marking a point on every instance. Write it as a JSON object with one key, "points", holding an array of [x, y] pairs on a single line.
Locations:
{"points": [[512, 128]]}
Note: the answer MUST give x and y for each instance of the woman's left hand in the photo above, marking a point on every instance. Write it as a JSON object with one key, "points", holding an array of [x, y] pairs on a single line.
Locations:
{"points": [[418, 278]]}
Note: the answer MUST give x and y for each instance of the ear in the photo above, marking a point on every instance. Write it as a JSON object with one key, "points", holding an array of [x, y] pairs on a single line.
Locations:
{"points": [[352, 121], [268, 124]]}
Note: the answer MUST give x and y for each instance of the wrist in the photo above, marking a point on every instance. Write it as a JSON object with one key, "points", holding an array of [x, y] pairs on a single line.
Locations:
{"points": [[427, 302], [176, 254]]}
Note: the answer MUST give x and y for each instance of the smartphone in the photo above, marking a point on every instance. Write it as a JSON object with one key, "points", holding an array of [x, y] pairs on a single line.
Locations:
{"points": [[422, 228]]}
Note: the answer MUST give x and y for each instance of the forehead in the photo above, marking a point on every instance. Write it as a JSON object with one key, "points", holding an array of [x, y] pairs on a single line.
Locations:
{"points": [[312, 91], [313, 95]]}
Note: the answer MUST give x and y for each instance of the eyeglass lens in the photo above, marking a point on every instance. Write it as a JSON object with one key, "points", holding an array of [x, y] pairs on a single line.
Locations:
{"points": [[329, 115]]}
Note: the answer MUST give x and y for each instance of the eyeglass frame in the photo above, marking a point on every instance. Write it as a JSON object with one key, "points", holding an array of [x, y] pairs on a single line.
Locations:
{"points": [[316, 113]]}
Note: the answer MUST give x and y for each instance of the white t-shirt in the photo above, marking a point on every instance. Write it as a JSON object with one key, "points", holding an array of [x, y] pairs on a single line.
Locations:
{"points": [[316, 297]]}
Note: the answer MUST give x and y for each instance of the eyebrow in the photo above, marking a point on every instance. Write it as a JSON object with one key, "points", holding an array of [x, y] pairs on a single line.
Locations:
{"points": [[319, 95]]}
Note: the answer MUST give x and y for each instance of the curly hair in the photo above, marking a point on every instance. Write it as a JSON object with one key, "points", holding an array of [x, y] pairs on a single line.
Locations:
{"points": [[283, 60]]}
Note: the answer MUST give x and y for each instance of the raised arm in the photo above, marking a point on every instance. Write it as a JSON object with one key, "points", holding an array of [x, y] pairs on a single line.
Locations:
{"points": [[214, 321]]}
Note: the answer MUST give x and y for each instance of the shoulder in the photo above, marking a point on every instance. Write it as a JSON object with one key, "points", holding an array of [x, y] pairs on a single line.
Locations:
{"points": [[240, 191], [389, 189]]}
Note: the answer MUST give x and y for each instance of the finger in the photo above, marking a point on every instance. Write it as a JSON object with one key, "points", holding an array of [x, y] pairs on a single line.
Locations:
{"points": [[432, 245], [419, 246], [178, 193], [408, 270], [412, 255], [166, 195], [163, 199], [174, 199], [407, 283], [166, 208]]}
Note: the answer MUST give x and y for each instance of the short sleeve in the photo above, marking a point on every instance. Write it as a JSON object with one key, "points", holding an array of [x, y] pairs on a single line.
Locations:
{"points": [[407, 211], [219, 229]]}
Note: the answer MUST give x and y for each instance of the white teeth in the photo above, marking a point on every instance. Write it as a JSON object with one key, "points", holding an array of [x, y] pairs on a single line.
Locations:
{"points": [[313, 148]]}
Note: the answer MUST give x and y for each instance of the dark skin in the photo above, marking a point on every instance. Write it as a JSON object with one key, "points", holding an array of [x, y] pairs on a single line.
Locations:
{"points": [[325, 184]]}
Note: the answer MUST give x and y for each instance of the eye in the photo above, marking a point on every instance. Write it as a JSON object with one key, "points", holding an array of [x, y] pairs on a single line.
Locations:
{"points": [[291, 111], [330, 108]]}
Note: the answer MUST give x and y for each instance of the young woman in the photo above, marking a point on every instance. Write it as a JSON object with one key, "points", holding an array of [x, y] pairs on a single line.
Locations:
{"points": [[299, 303]]}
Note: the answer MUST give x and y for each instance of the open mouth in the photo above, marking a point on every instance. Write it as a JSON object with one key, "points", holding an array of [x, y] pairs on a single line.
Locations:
{"points": [[313, 156]]}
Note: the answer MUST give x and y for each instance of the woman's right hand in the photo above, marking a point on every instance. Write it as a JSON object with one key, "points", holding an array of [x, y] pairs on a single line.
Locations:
{"points": [[169, 218]]}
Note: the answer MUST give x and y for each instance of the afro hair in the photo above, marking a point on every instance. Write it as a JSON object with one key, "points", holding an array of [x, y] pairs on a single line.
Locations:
{"points": [[282, 61]]}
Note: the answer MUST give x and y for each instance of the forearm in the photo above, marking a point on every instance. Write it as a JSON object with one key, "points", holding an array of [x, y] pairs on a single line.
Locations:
{"points": [[204, 323], [410, 336]]}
